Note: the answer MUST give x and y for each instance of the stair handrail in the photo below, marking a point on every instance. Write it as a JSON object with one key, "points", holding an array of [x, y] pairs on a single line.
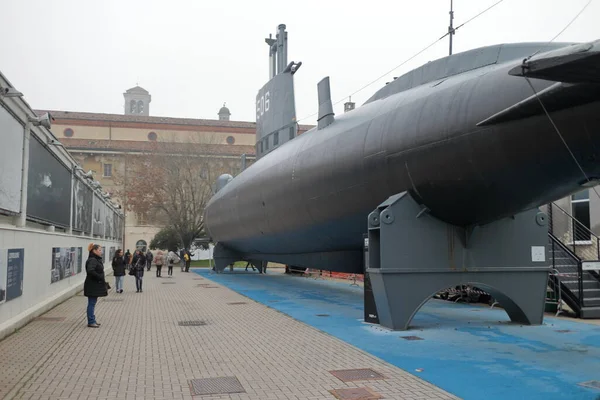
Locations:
{"points": [[577, 259], [581, 225], [565, 247]]}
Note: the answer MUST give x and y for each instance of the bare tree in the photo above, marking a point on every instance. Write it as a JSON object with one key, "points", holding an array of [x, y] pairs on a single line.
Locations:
{"points": [[171, 183]]}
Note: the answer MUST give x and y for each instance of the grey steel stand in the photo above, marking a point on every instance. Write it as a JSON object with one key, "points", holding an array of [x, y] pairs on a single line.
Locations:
{"points": [[414, 255]]}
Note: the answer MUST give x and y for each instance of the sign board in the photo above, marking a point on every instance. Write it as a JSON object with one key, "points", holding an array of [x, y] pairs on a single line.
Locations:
{"points": [[590, 265]]}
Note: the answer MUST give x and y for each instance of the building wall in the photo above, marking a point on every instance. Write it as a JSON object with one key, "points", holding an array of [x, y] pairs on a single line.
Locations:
{"points": [[134, 233], [134, 229], [183, 134], [573, 234]]}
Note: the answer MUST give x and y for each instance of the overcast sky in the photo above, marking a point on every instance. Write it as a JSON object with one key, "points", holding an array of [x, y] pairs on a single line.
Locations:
{"points": [[193, 55]]}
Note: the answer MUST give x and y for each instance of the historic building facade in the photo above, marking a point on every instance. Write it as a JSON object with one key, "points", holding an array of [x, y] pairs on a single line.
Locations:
{"points": [[103, 143]]}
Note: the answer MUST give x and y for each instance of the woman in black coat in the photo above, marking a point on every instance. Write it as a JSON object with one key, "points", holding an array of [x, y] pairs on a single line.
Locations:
{"points": [[95, 284], [139, 271], [118, 266]]}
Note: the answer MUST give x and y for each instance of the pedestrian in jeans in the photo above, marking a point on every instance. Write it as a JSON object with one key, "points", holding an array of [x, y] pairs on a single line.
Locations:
{"points": [[95, 284], [159, 261], [149, 258], [118, 266], [171, 257], [140, 265]]}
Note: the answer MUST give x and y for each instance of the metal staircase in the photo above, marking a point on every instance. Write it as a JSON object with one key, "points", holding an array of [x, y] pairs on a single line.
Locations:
{"points": [[574, 252]]}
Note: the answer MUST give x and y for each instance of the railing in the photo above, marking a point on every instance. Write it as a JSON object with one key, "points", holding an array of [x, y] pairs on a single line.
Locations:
{"points": [[580, 240], [560, 269]]}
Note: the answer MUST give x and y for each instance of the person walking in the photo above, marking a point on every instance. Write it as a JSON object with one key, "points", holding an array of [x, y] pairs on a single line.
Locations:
{"points": [[95, 283], [128, 259], [182, 259], [139, 267], [171, 257], [159, 260], [118, 265], [136, 255], [149, 258], [186, 261]]}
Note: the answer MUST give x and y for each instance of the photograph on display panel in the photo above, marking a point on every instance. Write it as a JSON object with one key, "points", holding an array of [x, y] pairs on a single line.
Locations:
{"points": [[120, 228], [49, 186], [82, 207], [11, 154], [98, 216], [66, 262], [108, 221], [116, 222], [79, 259]]}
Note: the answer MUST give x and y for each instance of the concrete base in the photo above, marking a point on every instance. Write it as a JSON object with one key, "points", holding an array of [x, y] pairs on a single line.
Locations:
{"points": [[14, 324]]}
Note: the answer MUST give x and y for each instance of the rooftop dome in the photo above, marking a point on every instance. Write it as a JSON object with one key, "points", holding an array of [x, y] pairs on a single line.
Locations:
{"points": [[224, 113], [224, 110]]}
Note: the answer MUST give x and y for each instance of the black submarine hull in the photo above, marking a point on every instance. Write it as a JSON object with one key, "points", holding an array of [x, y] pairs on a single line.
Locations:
{"points": [[307, 202]]}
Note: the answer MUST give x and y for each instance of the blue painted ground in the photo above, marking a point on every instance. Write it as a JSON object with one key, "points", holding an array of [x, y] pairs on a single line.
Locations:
{"points": [[471, 351]]}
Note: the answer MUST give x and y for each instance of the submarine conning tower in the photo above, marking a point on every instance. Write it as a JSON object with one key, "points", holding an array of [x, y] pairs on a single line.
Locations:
{"points": [[275, 103]]}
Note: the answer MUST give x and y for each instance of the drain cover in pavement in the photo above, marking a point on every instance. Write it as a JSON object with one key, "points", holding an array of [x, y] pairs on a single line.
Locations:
{"points": [[355, 394], [349, 375], [51, 319], [112, 300], [223, 385], [591, 384], [564, 331], [411, 338], [169, 283], [191, 323], [237, 303]]}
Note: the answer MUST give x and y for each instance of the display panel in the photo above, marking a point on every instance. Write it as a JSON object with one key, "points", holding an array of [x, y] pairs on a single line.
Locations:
{"points": [[49, 186], [98, 216], [108, 221], [82, 207], [66, 262], [12, 262], [11, 154]]}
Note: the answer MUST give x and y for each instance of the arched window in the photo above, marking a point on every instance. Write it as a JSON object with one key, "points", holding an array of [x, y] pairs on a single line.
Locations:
{"points": [[141, 245], [140, 107], [132, 106]]}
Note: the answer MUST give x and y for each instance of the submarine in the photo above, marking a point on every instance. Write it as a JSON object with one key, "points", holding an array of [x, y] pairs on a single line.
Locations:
{"points": [[472, 139]]}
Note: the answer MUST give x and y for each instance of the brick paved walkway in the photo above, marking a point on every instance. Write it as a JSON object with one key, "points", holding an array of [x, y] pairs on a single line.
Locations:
{"points": [[140, 351]]}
